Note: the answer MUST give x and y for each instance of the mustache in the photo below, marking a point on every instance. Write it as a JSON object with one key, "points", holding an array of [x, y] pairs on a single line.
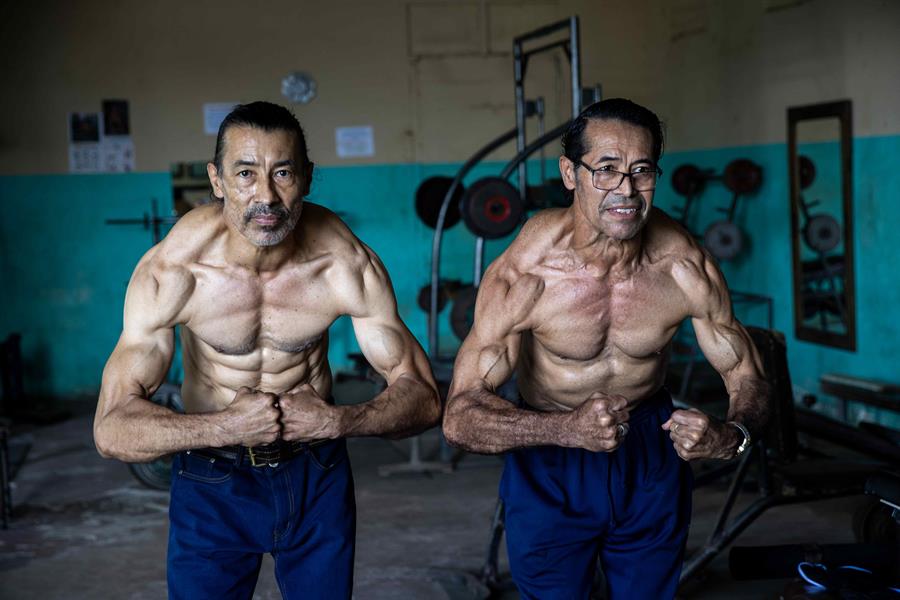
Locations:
{"points": [[262, 210], [621, 202]]}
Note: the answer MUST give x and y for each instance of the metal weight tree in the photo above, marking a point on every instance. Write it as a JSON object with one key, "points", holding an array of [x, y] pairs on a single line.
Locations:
{"points": [[521, 54], [571, 46]]}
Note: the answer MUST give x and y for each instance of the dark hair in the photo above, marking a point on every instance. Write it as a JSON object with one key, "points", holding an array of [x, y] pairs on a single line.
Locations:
{"points": [[575, 146], [265, 116]]}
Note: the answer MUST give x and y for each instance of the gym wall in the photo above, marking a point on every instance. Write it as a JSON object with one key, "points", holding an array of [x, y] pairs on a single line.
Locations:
{"points": [[434, 80]]}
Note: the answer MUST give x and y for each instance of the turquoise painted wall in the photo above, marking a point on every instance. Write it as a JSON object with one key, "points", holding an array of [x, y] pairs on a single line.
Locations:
{"points": [[765, 268], [64, 272]]}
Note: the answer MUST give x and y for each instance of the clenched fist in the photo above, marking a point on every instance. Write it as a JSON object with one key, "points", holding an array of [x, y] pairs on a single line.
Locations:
{"points": [[698, 435], [600, 424], [252, 418], [306, 417]]}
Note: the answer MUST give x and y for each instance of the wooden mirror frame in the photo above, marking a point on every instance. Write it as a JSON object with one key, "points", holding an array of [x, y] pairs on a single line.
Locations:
{"points": [[842, 110]]}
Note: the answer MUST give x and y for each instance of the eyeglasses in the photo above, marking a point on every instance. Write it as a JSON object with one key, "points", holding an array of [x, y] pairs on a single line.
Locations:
{"points": [[643, 178]]}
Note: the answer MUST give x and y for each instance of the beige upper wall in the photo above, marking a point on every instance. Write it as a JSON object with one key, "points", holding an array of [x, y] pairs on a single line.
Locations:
{"points": [[433, 77]]}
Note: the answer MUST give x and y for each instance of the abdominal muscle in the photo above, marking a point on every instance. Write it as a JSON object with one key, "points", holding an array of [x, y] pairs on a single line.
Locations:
{"points": [[550, 383], [212, 379]]}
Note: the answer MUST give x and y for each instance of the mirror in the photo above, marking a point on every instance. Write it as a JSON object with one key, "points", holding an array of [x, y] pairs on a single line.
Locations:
{"points": [[819, 162]]}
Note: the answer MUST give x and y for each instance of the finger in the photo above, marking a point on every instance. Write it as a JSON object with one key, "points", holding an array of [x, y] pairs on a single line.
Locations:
{"points": [[667, 425], [689, 416], [683, 454]]}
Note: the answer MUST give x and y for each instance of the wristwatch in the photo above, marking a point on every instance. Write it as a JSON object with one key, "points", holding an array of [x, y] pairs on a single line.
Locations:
{"points": [[747, 439]]}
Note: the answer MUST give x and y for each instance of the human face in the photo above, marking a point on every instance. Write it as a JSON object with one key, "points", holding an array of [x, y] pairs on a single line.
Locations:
{"points": [[262, 181], [622, 212]]}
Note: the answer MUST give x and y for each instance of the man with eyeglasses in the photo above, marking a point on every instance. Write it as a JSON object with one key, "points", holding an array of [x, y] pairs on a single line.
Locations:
{"points": [[582, 306]]}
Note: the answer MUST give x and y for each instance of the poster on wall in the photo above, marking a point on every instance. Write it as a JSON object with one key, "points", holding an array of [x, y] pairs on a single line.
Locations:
{"points": [[116, 146], [354, 142], [84, 142]]}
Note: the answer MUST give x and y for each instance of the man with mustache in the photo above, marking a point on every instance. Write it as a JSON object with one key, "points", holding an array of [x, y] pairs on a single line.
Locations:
{"points": [[583, 306], [255, 279]]}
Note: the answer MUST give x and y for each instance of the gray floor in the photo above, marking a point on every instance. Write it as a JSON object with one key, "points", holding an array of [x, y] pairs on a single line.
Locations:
{"points": [[84, 528]]}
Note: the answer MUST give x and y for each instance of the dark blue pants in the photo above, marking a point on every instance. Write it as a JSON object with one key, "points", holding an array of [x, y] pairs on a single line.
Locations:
{"points": [[565, 507], [224, 517]]}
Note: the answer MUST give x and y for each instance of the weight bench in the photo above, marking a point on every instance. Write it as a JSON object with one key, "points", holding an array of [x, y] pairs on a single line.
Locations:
{"points": [[785, 473]]}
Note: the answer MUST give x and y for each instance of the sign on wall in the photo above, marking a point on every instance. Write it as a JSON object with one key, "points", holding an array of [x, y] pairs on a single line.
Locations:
{"points": [[354, 142]]}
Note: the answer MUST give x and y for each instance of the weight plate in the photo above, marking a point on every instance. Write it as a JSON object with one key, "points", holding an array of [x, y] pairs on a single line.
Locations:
{"points": [[688, 180], [822, 233], [743, 176], [462, 314], [724, 240], [492, 208], [424, 297], [429, 196], [807, 171]]}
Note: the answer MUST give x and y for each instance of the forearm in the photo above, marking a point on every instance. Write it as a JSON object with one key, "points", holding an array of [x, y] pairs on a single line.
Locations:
{"points": [[750, 404], [141, 431], [479, 421], [406, 407]]}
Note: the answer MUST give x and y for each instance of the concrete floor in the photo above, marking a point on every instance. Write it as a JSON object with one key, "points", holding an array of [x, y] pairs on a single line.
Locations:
{"points": [[84, 528]]}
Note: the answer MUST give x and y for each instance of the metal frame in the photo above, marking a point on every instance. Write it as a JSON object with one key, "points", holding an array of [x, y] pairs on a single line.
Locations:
{"points": [[841, 109]]}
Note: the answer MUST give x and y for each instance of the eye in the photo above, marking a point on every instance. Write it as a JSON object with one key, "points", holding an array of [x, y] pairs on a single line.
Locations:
{"points": [[643, 169], [605, 168], [283, 173], [244, 174]]}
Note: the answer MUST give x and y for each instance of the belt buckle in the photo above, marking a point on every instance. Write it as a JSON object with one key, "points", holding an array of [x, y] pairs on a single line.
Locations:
{"points": [[262, 462]]}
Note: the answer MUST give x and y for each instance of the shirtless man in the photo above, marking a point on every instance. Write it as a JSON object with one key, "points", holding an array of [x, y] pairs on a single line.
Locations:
{"points": [[262, 463], [582, 306]]}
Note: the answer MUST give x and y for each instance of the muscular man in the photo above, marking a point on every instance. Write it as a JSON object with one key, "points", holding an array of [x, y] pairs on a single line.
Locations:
{"points": [[582, 306], [255, 280]]}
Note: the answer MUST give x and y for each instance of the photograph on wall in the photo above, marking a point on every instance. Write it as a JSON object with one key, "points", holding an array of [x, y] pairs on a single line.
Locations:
{"points": [[84, 142], [116, 147]]}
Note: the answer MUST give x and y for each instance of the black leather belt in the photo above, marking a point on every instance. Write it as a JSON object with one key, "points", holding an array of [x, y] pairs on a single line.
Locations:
{"points": [[258, 456]]}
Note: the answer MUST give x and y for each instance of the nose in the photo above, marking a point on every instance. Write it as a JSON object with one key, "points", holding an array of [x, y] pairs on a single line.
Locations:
{"points": [[626, 186], [265, 192]]}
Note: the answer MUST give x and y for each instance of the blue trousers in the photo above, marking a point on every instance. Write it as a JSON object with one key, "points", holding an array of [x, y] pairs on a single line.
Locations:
{"points": [[567, 507], [224, 517]]}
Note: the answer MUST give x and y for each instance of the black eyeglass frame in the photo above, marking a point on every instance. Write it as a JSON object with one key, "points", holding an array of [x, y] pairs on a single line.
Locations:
{"points": [[655, 169]]}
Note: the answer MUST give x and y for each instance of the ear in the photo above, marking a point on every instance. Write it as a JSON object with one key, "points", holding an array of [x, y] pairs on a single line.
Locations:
{"points": [[214, 181], [307, 177], [567, 171]]}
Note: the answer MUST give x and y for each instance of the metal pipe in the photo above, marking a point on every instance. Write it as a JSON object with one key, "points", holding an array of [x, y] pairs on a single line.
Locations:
{"points": [[519, 78], [439, 230], [542, 31], [479, 261], [575, 62], [517, 160], [551, 46], [533, 147]]}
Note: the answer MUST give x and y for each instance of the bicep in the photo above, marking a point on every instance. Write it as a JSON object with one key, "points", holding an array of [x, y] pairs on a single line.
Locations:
{"points": [[489, 353], [383, 338], [135, 369], [141, 358], [723, 340]]}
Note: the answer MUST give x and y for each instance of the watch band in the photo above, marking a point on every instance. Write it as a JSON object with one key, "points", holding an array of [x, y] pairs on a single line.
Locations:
{"points": [[747, 439]]}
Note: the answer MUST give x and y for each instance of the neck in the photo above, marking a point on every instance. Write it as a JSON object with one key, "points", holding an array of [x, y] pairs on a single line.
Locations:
{"points": [[595, 247], [240, 252]]}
